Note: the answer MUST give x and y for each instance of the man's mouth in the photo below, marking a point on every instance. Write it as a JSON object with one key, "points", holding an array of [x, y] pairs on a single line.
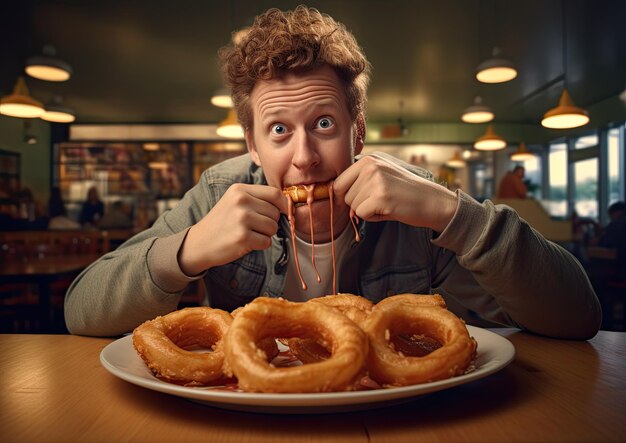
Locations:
{"points": [[303, 193]]}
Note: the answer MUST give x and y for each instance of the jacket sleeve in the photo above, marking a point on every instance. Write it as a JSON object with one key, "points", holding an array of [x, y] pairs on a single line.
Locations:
{"points": [[523, 279], [139, 280]]}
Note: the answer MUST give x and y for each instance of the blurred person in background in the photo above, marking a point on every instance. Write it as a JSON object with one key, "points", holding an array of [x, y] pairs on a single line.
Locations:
{"points": [[92, 209], [512, 184], [57, 213]]}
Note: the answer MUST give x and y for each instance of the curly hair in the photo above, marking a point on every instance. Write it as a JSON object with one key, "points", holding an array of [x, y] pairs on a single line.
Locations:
{"points": [[282, 41]]}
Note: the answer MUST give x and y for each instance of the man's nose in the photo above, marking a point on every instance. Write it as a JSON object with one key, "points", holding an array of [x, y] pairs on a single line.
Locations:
{"points": [[305, 153]]}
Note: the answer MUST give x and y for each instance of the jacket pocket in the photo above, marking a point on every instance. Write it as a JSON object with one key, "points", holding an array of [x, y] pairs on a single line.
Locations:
{"points": [[395, 280]]}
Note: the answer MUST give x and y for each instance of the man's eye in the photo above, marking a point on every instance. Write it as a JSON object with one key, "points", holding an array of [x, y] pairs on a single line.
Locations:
{"points": [[278, 129], [325, 122]]}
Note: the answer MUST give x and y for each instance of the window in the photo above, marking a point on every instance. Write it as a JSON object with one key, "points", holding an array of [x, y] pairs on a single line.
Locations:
{"points": [[616, 164], [557, 186], [586, 188], [533, 176], [586, 142]]}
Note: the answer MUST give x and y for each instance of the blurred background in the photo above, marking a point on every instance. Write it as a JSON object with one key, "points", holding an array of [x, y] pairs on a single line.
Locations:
{"points": [[129, 110]]}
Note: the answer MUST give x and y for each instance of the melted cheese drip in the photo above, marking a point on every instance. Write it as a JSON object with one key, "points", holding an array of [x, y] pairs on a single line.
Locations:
{"points": [[309, 202], [292, 223]]}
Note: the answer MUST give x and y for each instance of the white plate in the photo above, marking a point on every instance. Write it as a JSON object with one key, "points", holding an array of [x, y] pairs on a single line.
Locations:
{"points": [[121, 359]]}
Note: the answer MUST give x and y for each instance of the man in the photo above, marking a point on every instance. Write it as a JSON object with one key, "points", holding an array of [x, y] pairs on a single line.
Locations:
{"points": [[512, 184], [299, 81]]}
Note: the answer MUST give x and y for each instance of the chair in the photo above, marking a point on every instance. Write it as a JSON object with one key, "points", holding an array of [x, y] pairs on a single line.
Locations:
{"points": [[20, 307], [616, 303]]}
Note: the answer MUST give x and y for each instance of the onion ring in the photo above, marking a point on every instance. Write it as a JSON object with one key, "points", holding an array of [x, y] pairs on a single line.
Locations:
{"points": [[267, 345], [355, 307], [417, 299], [389, 367], [299, 193], [163, 344], [267, 317]]}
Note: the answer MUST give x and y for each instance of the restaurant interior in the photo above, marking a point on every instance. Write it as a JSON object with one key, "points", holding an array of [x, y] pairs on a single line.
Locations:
{"points": [[126, 99]]}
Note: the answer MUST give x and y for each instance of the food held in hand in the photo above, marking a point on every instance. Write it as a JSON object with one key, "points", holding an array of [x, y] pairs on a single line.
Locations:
{"points": [[302, 193]]}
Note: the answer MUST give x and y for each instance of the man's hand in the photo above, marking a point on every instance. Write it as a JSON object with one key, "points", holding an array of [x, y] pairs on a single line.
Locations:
{"points": [[377, 189], [242, 221]]}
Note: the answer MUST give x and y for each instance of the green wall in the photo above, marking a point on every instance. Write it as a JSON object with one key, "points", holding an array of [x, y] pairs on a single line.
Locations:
{"points": [[34, 159]]}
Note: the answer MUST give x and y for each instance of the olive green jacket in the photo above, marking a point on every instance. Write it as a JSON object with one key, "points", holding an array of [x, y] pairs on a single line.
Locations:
{"points": [[489, 265]]}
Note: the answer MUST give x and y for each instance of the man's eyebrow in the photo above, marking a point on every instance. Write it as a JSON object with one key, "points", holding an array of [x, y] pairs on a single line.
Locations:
{"points": [[278, 111]]}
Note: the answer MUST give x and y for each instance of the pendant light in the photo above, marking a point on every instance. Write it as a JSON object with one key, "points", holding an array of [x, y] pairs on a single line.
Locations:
{"points": [[490, 141], [477, 113], [20, 103], [222, 98], [230, 127], [566, 115], [456, 161], [57, 113], [522, 154], [48, 67], [496, 69], [150, 146]]}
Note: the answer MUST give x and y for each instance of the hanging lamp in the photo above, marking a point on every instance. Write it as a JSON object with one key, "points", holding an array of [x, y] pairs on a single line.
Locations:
{"points": [[222, 98], [56, 112], [566, 115], [230, 127], [489, 141], [477, 113], [496, 69], [456, 161], [522, 154], [20, 103], [48, 67]]}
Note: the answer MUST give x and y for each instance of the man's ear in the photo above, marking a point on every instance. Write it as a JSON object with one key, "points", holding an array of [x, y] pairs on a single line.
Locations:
{"points": [[252, 147], [359, 136]]}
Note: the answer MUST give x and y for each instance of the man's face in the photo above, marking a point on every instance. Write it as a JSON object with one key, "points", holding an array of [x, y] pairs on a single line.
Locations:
{"points": [[303, 134]]}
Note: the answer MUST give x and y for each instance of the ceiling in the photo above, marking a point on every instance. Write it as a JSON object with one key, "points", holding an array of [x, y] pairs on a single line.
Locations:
{"points": [[155, 61]]}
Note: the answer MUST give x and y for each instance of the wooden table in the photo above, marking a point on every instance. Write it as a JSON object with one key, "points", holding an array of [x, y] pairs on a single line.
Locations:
{"points": [[54, 389], [44, 272]]}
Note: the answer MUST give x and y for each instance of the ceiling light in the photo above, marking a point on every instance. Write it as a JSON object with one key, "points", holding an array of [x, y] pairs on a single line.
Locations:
{"points": [[456, 161], [150, 146], [56, 112], [159, 165], [20, 104], [48, 67], [477, 113], [522, 153], [222, 98], [230, 127], [566, 115], [490, 141], [496, 69]]}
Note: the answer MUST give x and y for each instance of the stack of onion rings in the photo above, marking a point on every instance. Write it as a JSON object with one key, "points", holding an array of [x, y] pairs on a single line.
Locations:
{"points": [[340, 339]]}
